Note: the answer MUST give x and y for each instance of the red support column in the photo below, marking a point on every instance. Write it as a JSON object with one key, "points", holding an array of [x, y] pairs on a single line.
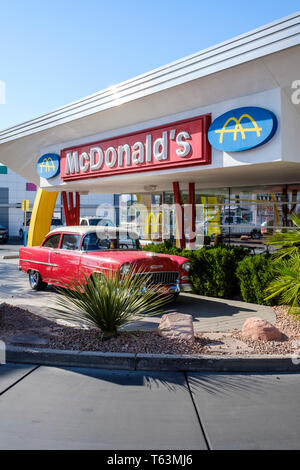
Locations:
{"points": [[192, 213], [179, 214], [72, 213]]}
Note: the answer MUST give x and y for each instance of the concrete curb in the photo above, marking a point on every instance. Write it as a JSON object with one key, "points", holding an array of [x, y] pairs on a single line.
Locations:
{"points": [[162, 362], [57, 357]]}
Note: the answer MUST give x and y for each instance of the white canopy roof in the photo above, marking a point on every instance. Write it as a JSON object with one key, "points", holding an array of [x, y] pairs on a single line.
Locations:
{"points": [[267, 58]]}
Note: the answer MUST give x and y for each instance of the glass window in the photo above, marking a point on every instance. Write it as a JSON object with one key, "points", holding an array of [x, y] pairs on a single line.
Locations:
{"points": [[244, 216], [52, 242], [84, 222], [117, 241], [70, 242]]}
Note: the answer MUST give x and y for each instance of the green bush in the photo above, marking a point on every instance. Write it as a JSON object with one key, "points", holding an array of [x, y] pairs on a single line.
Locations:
{"points": [[166, 248], [212, 269], [255, 273]]}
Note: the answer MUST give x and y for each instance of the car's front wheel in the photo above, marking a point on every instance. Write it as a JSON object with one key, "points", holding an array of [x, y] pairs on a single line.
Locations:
{"points": [[35, 281]]}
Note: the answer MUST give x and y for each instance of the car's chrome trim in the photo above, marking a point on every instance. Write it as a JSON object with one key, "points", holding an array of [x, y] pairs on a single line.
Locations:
{"points": [[38, 262]]}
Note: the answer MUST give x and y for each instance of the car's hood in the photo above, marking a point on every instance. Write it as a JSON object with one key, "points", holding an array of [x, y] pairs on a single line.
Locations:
{"points": [[138, 258]]}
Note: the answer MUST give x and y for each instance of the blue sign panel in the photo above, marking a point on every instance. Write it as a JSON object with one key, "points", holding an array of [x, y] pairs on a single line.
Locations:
{"points": [[242, 129], [48, 165]]}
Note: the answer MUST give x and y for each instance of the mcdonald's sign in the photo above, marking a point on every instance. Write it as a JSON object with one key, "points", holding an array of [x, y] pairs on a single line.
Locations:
{"points": [[242, 129], [48, 165]]}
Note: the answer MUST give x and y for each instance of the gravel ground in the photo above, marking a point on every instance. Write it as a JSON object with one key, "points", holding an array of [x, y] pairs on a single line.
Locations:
{"points": [[291, 339], [15, 321]]}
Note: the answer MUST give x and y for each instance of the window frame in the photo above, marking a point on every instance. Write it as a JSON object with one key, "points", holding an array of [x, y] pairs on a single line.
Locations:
{"points": [[48, 238], [74, 234]]}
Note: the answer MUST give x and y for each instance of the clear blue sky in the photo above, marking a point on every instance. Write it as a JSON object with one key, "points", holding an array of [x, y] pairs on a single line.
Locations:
{"points": [[56, 51]]}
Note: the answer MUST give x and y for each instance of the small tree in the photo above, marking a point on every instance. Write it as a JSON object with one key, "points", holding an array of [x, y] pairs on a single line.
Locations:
{"points": [[285, 287]]}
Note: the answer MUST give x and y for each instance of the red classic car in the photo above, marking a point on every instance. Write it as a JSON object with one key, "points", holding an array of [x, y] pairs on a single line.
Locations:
{"points": [[68, 252]]}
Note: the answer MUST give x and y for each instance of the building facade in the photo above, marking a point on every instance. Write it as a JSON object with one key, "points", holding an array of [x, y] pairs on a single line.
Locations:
{"points": [[14, 188], [215, 133]]}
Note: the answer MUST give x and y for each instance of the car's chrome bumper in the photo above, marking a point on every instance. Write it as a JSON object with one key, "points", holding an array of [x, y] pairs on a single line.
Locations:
{"points": [[186, 287], [174, 288], [168, 289]]}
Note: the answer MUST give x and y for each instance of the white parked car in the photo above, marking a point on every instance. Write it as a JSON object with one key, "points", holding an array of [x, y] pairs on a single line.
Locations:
{"points": [[93, 221], [238, 226], [54, 224]]}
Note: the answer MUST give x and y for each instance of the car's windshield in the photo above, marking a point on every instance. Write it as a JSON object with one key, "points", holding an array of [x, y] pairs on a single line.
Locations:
{"points": [[102, 242]]}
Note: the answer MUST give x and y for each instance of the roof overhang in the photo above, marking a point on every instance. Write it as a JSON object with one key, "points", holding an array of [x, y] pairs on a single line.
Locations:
{"points": [[216, 74]]}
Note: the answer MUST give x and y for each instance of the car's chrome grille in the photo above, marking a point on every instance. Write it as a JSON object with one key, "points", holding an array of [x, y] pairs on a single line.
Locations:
{"points": [[161, 277]]}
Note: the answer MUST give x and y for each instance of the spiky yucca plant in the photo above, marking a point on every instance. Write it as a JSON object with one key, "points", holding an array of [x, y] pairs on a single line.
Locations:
{"points": [[288, 241], [285, 287], [109, 302]]}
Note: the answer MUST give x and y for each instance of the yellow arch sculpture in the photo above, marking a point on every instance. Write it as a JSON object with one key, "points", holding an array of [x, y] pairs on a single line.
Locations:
{"points": [[238, 128], [41, 217], [153, 223]]}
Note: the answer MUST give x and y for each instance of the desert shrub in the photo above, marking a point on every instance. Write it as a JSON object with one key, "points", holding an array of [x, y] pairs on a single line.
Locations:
{"points": [[108, 302]]}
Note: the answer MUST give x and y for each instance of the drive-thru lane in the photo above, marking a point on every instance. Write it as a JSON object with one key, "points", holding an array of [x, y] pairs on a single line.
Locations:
{"points": [[64, 408]]}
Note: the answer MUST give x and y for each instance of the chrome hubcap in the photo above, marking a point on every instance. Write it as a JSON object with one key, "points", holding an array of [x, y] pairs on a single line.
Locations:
{"points": [[34, 279]]}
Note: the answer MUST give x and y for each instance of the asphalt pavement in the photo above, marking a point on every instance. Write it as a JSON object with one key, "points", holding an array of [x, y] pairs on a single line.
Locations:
{"points": [[69, 408]]}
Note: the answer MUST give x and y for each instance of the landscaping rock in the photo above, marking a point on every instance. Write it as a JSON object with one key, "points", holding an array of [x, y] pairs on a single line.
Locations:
{"points": [[258, 329], [177, 326]]}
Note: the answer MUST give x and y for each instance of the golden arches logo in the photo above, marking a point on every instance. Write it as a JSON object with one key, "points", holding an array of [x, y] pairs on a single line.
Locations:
{"points": [[47, 165], [239, 128], [153, 223]]}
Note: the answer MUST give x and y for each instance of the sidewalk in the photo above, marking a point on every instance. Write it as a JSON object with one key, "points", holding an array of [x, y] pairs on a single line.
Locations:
{"points": [[210, 314]]}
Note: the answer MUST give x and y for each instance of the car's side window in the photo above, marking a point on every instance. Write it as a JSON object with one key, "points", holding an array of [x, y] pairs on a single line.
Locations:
{"points": [[83, 222], [90, 242], [70, 242], [52, 242]]}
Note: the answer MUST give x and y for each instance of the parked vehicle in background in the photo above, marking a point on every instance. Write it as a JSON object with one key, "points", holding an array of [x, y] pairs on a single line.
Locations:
{"points": [[54, 224], [93, 221], [71, 252], [237, 226], [3, 234]]}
